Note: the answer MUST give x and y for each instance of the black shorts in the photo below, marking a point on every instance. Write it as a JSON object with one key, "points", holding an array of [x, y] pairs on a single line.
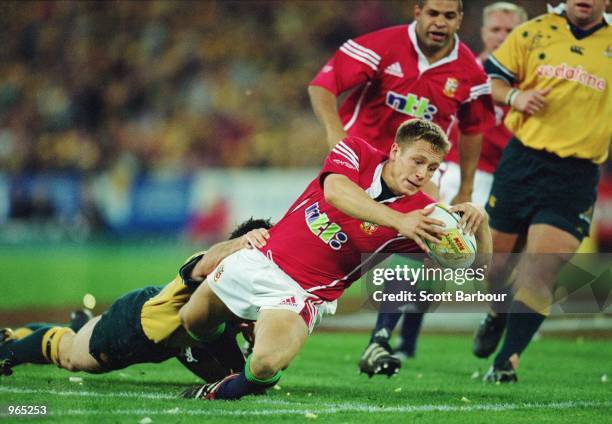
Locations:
{"points": [[537, 187], [119, 335]]}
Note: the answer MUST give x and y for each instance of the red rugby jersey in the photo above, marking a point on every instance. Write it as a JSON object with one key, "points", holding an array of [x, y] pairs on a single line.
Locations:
{"points": [[393, 82], [321, 248]]}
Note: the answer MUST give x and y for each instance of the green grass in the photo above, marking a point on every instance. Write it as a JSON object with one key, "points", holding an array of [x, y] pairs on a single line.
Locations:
{"points": [[560, 381], [60, 274]]}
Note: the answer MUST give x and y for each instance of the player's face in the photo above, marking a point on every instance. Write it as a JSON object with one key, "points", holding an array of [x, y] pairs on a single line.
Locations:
{"points": [[411, 167], [496, 28], [586, 13], [437, 23]]}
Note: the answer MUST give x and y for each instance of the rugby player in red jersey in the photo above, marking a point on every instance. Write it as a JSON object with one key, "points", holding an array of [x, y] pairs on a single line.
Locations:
{"points": [[499, 19], [320, 247], [420, 70]]}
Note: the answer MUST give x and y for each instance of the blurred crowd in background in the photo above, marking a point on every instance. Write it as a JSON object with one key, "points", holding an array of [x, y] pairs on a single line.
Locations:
{"points": [[120, 89], [174, 84]]}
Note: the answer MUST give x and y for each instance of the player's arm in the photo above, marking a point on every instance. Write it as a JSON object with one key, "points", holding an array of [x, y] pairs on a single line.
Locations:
{"points": [[348, 197], [208, 262], [354, 63], [527, 101], [506, 67], [469, 153], [325, 106]]}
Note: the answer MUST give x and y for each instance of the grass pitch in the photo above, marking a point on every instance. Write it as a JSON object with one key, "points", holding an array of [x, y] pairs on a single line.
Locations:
{"points": [[560, 380]]}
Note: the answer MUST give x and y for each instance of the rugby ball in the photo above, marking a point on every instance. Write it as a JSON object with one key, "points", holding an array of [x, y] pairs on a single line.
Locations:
{"points": [[456, 250]]}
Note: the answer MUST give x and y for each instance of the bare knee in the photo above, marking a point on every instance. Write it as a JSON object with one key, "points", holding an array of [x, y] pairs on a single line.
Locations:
{"points": [[64, 353], [264, 365]]}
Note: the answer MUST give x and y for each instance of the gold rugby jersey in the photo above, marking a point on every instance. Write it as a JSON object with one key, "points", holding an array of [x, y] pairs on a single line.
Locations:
{"points": [[577, 119], [160, 314]]}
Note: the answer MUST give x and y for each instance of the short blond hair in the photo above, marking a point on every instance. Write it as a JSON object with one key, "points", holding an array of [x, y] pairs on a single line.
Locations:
{"points": [[506, 7], [414, 130]]}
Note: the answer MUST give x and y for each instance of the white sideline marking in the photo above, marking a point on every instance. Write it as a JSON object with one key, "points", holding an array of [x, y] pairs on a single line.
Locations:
{"points": [[342, 408], [316, 407], [137, 395]]}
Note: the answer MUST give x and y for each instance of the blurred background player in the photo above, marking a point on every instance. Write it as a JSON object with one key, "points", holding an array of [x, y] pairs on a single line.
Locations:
{"points": [[141, 326], [498, 20], [420, 70], [545, 186]]}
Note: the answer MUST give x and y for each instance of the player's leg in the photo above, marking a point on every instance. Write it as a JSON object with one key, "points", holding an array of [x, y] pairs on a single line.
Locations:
{"points": [[39, 347], [510, 205], [73, 350], [204, 314], [78, 318], [206, 319], [377, 357], [491, 328], [200, 362], [279, 336], [548, 250]]}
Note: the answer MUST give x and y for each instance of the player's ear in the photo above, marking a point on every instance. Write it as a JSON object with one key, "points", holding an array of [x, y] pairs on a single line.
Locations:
{"points": [[416, 11], [459, 20], [395, 151]]}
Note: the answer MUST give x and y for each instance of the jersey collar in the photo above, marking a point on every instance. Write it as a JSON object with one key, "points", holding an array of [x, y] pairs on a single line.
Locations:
{"points": [[424, 64], [375, 188]]}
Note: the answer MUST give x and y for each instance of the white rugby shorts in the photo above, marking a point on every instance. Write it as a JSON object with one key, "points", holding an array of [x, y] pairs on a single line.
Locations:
{"points": [[450, 178], [247, 282]]}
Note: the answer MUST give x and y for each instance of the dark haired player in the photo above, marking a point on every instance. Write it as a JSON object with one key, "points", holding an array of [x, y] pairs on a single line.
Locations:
{"points": [[142, 326]]}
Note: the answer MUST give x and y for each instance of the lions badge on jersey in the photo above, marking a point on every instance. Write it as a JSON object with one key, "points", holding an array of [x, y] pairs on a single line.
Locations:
{"points": [[218, 274], [450, 88], [368, 227]]}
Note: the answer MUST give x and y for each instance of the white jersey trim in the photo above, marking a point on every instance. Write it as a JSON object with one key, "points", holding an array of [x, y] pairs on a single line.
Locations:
{"points": [[357, 54], [424, 64], [365, 51], [346, 149], [347, 157]]}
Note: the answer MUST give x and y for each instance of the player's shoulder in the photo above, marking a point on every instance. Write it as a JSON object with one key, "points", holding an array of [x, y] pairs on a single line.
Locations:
{"points": [[359, 143], [469, 64], [359, 148], [384, 38], [528, 28]]}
